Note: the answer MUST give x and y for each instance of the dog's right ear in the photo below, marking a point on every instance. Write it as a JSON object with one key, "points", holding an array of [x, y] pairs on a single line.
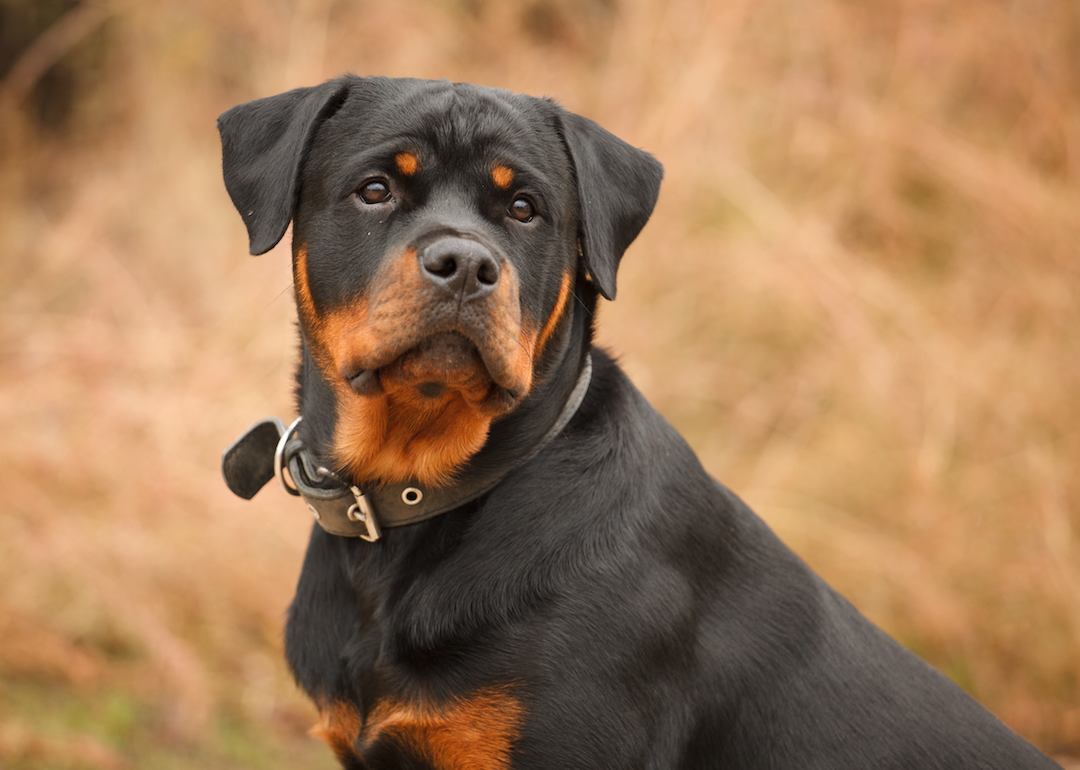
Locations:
{"points": [[263, 144]]}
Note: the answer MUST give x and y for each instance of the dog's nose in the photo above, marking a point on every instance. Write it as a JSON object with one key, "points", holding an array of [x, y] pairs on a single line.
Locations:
{"points": [[460, 267]]}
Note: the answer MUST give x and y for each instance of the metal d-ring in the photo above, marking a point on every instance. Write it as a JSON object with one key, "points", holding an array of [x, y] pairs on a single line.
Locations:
{"points": [[279, 459]]}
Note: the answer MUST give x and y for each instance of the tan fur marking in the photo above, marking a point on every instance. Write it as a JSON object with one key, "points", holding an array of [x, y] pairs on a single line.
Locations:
{"points": [[556, 314], [502, 176], [397, 434], [328, 333], [339, 725], [472, 733], [407, 163], [305, 306]]}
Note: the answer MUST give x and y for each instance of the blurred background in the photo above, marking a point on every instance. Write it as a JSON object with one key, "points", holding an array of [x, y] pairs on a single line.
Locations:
{"points": [[857, 299]]}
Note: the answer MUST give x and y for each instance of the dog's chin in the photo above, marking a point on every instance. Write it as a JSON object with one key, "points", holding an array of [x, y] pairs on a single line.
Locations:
{"points": [[438, 365]]}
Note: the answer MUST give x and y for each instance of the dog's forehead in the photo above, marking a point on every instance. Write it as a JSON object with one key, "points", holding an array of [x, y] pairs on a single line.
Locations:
{"points": [[457, 120]]}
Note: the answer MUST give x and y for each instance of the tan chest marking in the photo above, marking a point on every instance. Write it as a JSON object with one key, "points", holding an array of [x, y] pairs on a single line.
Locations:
{"points": [[472, 733]]}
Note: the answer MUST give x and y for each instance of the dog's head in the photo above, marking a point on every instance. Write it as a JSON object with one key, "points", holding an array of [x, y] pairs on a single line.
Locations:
{"points": [[441, 233]]}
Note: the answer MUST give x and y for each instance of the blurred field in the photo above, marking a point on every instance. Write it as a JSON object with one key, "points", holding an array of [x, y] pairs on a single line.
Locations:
{"points": [[859, 299]]}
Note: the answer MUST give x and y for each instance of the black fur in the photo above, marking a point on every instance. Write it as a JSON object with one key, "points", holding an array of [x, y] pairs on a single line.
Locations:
{"points": [[643, 614]]}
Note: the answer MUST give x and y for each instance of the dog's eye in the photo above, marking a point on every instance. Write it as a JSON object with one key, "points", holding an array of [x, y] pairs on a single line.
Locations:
{"points": [[522, 209], [374, 191]]}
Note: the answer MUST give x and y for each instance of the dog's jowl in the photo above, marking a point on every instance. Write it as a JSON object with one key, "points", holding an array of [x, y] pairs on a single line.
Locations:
{"points": [[515, 561]]}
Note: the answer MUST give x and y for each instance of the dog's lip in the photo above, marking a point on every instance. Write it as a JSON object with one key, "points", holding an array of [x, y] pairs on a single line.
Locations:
{"points": [[365, 382], [365, 377]]}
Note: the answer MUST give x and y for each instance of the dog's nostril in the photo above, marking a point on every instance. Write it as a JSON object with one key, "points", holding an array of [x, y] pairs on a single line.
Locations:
{"points": [[488, 273], [444, 266]]}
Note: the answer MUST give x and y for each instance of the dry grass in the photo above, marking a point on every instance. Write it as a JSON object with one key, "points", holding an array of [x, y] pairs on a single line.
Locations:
{"points": [[857, 299]]}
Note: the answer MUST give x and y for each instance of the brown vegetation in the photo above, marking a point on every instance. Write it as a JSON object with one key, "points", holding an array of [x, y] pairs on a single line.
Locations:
{"points": [[858, 299]]}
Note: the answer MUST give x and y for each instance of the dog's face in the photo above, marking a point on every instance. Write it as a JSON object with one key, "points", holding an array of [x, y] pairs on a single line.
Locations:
{"points": [[435, 252], [438, 238]]}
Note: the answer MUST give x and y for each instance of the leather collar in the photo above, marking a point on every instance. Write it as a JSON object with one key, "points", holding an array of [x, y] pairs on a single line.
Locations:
{"points": [[268, 449]]}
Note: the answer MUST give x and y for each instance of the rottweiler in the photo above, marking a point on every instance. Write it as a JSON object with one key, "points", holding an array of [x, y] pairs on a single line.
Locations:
{"points": [[516, 561]]}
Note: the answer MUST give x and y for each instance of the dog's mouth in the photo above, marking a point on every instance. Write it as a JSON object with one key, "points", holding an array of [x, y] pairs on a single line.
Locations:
{"points": [[437, 365]]}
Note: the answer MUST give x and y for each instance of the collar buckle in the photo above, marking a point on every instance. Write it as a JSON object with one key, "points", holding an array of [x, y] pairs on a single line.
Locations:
{"points": [[336, 510], [362, 512]]}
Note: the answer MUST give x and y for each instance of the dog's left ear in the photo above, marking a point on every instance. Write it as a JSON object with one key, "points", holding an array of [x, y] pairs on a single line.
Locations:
{"points": [[617, 188], [263, 144]]}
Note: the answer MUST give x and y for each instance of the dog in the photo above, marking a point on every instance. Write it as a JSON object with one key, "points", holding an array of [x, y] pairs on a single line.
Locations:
{"points": [[517, 562]]}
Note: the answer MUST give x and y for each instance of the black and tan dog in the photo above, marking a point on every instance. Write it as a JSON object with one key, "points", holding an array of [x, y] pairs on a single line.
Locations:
{"points": [[520, 563]]}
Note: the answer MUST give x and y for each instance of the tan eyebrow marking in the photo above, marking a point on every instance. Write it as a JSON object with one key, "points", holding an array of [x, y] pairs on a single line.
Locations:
{"points": [[407, 163], [502, 176]]}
